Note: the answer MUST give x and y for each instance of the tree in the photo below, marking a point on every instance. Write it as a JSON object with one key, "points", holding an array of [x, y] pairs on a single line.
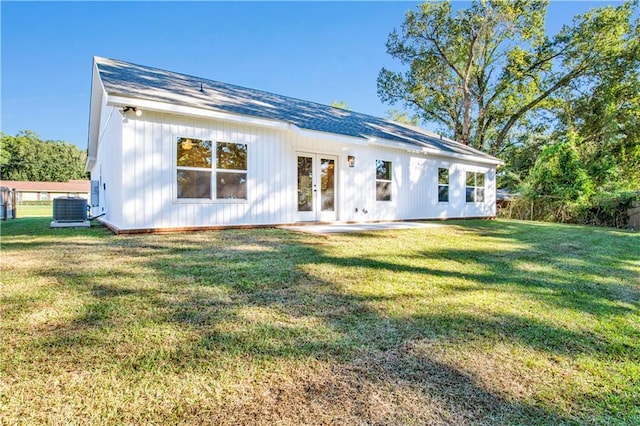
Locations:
{"points": [[481, 71], [26, 157], [558, 173], [603, 108]]}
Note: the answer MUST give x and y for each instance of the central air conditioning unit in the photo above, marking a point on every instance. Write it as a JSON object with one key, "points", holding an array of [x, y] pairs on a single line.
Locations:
{"points": [[69, 212]]}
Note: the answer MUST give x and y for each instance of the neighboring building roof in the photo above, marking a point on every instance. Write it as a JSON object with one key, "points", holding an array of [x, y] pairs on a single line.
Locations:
{"points": [[140, 82], [506, 195], [25, 186]]}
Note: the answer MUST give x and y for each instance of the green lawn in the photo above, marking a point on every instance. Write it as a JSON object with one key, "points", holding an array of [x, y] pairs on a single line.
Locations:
{"points": [[470, 322], [25, 210]]}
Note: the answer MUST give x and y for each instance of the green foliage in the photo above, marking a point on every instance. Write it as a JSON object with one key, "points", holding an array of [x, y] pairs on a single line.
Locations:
{"points": [[27, 157], [483, 71], [519, 159], [610, 208], [558, 173], [464, 68], [601, 209], [607, 114]]}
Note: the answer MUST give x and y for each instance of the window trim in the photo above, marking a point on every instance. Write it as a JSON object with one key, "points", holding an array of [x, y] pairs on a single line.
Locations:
{"points": [[217, 170], [390, 181], [213, 170], [475, 187], [439, 185]]}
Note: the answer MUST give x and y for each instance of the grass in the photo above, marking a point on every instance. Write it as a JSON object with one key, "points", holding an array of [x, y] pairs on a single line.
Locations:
{"points": [[473, 322], [26, 210]]}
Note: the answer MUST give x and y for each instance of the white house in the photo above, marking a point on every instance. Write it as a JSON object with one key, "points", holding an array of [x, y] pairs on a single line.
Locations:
{"points": [[172, 151]]}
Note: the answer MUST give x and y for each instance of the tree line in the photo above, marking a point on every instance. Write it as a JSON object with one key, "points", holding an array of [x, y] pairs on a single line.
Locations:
{"points": [[27, 157], [562, 111]]}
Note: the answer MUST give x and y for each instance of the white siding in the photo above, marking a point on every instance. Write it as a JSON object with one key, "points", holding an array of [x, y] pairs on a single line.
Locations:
{"points": [[145, 160], [108, 166]]}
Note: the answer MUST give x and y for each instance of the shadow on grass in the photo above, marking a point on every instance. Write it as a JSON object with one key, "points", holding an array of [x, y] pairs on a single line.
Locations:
{"points": [[254, 295]]}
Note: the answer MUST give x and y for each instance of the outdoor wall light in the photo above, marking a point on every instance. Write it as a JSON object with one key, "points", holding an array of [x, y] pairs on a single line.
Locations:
{"points": [[135, 110], [351, 160]]}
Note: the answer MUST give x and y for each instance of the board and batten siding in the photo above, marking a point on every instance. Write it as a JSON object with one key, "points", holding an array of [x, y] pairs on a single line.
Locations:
{"points": [[107, 170], [149, 175], [143, 155]]}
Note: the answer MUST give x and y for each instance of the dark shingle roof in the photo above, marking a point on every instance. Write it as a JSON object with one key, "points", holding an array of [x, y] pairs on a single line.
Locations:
{"points": [[130, 80]]}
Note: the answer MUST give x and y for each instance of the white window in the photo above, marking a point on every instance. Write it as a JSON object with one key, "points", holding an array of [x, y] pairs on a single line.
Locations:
{"points": [[231, 170], [383, 180], [443, 185], [475, 187], [194, 159], [195, 169]]}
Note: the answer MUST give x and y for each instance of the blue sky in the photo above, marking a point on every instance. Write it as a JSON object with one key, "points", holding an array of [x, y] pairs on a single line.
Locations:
{"points": [[317, 51]]}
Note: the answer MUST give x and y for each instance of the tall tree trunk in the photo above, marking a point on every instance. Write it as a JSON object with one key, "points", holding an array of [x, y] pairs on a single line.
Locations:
{"points": [[466, 118]]}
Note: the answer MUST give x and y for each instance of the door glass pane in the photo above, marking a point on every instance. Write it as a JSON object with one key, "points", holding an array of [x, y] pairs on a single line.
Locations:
{"points": [[327, 184], [305, 184]]}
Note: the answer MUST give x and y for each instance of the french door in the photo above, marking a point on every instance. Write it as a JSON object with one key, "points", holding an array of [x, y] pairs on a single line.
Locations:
{"points": [[317, 187]]}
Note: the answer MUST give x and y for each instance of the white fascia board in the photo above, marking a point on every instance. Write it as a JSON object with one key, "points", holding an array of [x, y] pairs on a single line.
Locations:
{"points": [[193, 111], [433, 151], [95, 112]]}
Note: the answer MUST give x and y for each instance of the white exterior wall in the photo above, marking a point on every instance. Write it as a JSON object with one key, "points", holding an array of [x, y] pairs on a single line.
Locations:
{"points": [[108, 168], [140, 172], [414, 187]]}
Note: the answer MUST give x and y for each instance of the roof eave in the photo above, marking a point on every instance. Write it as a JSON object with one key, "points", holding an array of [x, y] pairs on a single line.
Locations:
{"points": [[435, 151], [95, 110], [164, 107]]}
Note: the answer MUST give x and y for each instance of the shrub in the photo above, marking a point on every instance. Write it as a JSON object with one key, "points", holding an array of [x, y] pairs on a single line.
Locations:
{"points": [[610, 208], [601, 209], [558, 174]]}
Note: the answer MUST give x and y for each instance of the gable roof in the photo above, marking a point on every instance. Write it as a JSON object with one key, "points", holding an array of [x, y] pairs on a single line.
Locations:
{"points": [[127, 80]]}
